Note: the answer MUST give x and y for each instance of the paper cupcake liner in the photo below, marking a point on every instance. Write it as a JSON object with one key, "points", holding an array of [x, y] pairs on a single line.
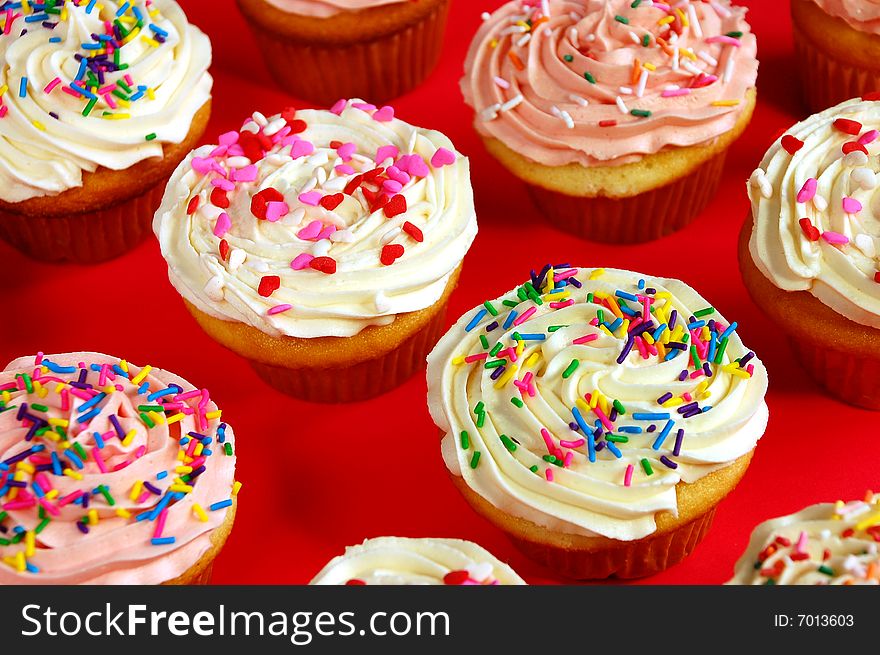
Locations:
{"points": [[360, 381], [374, 70], [854, 379], [84, 238], [643, 217], [827, 81], [636, 559]]}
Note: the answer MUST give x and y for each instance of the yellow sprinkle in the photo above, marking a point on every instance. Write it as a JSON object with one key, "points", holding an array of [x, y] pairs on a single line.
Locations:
{"points": [[549, 281], [136, 490], [123, 364], [151, 94], [725, 103], [532, 360], [604, 405], [3, 89], [673, 402], [649, 66], [736, 371], [42, 392], [520, 346], [507, 377], [663, 295], [198, 511], [39, 126], [182, 488], [20, 562], [647, 337], [458, 361], [666, 20], [123, 513], [198, 449], [594, 399], [25, 466], [6, 397], [128, 437], [684, 19], [702, 386], [493, 43], [176, 418], [30, 543], [63, 422], [137, 379], [116, 117], [93, 517], [687, 52], [180, 455], [52, 495], [624, 327], [596, 274], [582, 405], [605, 330], [236, 487], [70, 473], [866, 523], [59, 386], [705, 334], [183, 470], [214, 414], [109, 389], [558, 295], [148, 40]]}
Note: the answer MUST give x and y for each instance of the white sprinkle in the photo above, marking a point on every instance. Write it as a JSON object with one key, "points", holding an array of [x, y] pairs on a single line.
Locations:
{"points": [[728, 69], [545, 8], [259, 119], [294, 218], [490, 113], [820, 203], [625, 91], [573, 36], [523, 40], [565, 116], [214, 288], [865, 243], [709, 59], [335, 184], [675, 58], [635, 38], [274, 127], [319, 158], [321, 247], [695, 24], [671, 87], [479, 572], [690, 68], [251, 127], [513, 29], [390, 236], [643, 82], [513, 102], [485, 15], [759, 180], [237, 257], [342, 236], [311, 184], [500, 81], [854, 159], [621, 105], [583, 102], [238, 162], [321, 174]]}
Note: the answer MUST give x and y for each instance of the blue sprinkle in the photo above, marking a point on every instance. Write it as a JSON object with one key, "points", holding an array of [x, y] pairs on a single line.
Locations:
{"points": [[610, 445], [31, 568], [55, 368], [38, 490], [158, 30], [730, 330], [695, 325], [631, 429], [162, 392], [162, 541], [624, 294], [94, 400], [161, 475], [56, 464], [22, 87], [532, 337], [99, 440], [511, 317], [476, 320], [650, 416], [144, 388], [223, 504], [658, 442], [88, 415], [73, 457]]}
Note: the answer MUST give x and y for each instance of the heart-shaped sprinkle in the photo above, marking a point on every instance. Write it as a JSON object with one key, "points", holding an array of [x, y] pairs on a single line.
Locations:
{"points": [[297, 126], [418, 167], [221, 227], [390, 253], [276, 210], [202, 165], [310, 198], [332, 202], [245, 174], [480, 572], [809, 229], [301, 148], [395, 206], [851, 205], [301, 261], [324, 264], [456, 577], [344, 169], [848, 126], [262, 198], [193, 206], [442, 157], [397, 175], [310, 231], [268, 285], [835, 238], [224, 249], [808, 190], [353, 184], [852, 146], [251, 146], [236, 258], [384, 114], [384, 152], [413, 231], [228, 138], [326, 232], [791, 144], [346, 150], [391, 186], [339, 107]]}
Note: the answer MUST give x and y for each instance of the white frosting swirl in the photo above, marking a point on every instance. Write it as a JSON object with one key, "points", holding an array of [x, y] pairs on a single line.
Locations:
{"points": [[838, 194], [42, 154], [430, 189], [403, 561], [825, 544], [568, 359]]}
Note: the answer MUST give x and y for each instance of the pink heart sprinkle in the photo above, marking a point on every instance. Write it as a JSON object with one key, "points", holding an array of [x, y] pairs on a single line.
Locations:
{"points": [[276, 210], [344, 169], [869, 137], [414, 165], [346, 150], [339, 107], [235, 151], [396, 174], [392, 186], [202, 165], [442, 157], [301, 148], [222, 183], [301, 261], [384, 115], [311, 198], [245, 174], [851, 205], [219, 151], [310, 231], [808, 191], [385, 152], [326, 232], [835, 238], [228, 138], [222, 225]]}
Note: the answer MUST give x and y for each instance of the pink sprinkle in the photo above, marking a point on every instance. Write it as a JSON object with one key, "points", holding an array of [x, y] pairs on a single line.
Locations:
{"points": [[160, 523], [442, 157], [808, 191], [326, 232], [384, 152], [301, 261], [801, 545], [549, 474], [219, 151], [851, 205], [3, 110], [245, 174], [564, 275], [566, 461], [276, 210], [228, 138], [65, 400], [301, 148], [49, 507], [51, 85], [310, 231], [140, 452], [585, 339], [476, 357], [605, 421], [278, 309], [561, 304], [414, 165], [391, 186], [835, 238], [110, 101], [674, 93], [222, 183], [869, 137], [704, 80], [128, 80], [346, 150], [69, 498], [339, 107], [311, 198], [522, 318], [548, 441], [202, 165], [221, 227], [397, 175], [344, 169], [572, 444], [384, 115], [723, 38], [96, 455], [628, 476]]}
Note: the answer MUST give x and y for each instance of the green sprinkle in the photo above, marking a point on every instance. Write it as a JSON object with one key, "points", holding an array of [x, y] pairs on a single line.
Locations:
{"points": [[80, 451], [616, 438], [621, 19], [590, 297], [572, 367], [479, 407], [553, 328], [475, 460], [735, 35], [147, 420], [646, 40], [42, 525], [508, 443], [481, 419], [827, 570], [600, 314], [484, 341], [641, 113], [3, 516], [18, 537], [119, 94], [496, 349], [636, 4], [516, 401], [91, 105], [39, 408], [516, 336], [685, 337], [495, 363], [227, 448], [5, 542], [521, 294], [589, 77], [649, 470], [704, 312], [465, 440], [104, 491], [509, 303], [619, 407], [568, 58], [151, 408], [490, 308], [721, 348], [124, 85], [29, 385], [151, 136], [770, 582], [534, 468], [695, 357]]}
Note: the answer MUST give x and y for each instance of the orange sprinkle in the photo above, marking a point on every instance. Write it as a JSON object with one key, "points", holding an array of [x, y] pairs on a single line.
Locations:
{"points": [[636, 71], [517, 62], [542, 19]]}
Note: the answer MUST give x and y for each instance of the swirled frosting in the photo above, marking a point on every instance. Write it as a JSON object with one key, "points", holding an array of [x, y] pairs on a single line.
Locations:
{"points": [[402, 561], [318, 223], [579, 400], [815, 205], [825, 544], [109, 473], [327, 8], [863, 15], [98, 85], [604, 82]]}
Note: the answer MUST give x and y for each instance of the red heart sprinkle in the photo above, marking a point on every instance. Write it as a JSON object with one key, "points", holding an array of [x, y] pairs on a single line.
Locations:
{"points": [[456, 577], [218, 198], [874, 531], [355, 582], [288, 113], [224, 249], [353, 184], [251, 146], [324, 265], [848, 126], [263, 198], [379, 203], [265, 141], [268, 285], [390, 253], [297, 126], [852, 146], [395, 206], [791, 144], [192, 206], [809, 229], [332, 202], [335, 144], [413, 231], [370, 176]]}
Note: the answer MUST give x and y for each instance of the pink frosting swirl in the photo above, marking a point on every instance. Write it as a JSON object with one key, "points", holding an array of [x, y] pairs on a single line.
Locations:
{"points": [[864, 15], [603, 82], [327, 8], [93, 486]]}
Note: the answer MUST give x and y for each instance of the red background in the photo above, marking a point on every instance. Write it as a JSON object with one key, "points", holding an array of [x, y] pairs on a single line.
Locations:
{"points": [[303, 500]]}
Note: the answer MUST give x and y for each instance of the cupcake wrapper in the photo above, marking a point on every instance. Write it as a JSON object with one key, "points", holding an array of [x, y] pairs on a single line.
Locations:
{"points": [[854, 379], [643, 217], [199, 576], [360, 381], [635, 559], [84, 238], [376, 70], [825, 81]]}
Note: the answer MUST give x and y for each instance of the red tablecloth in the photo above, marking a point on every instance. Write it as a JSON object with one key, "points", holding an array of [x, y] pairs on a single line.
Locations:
{"points": [[303, 499]]}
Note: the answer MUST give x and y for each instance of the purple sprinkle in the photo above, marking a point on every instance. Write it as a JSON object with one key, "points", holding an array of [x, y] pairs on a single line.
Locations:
{"points": [[573, 281], [119, 431], [612, 416], [22, 409], [682, 376], [678, 439], [651, 428], [662, 399], [668, 462], [684, 409], [707, 370], [574, 426], [693, 412], [152, 489], [627, 347], [498, 372], [15, 459], [672, 318], [491, 326], [599, 446], [745, 359], [82, 527]]}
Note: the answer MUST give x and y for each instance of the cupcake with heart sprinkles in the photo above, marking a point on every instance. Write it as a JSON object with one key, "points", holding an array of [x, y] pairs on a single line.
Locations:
{"points": [[99, 102], [824, 544], [321, 245], [110, 473], [597, 416], [809, 256], [403, 561], [617, 114]]}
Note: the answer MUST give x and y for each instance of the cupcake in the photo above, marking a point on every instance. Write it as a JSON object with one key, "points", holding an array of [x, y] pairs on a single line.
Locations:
{"points": [[110, 473], [597, 417], [402, 561], [322, 50], [617, 114], [321, 245], [98, 104], [837, 44], [825, 544], [809, 256]]}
